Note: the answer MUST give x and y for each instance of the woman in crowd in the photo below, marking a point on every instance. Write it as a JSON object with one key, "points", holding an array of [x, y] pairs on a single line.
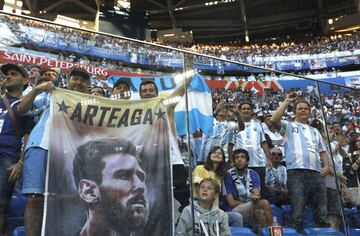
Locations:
{"points": [[215, 167]]}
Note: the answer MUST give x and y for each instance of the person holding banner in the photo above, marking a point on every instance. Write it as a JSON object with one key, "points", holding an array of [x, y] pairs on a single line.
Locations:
{"points": [[37, 103], [13, 127], [121, 89], [115, 194], [148, 89]]}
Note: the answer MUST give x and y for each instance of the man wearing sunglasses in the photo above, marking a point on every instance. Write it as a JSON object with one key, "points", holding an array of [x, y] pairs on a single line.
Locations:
{"points": [[275, 179]]}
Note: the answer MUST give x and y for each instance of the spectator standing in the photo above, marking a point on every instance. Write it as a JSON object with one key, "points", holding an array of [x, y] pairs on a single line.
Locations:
{"points": [[37, 148], [250, 136], [307, 163], [13, 127]]}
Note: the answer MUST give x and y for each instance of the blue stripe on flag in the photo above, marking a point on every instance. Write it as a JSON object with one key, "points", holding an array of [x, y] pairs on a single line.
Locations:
{"points": [[200, 114], [196, 121], [198, 84]]}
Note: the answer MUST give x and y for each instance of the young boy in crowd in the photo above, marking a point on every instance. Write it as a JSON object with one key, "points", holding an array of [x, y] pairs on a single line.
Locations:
{"points": [[209, 219]]}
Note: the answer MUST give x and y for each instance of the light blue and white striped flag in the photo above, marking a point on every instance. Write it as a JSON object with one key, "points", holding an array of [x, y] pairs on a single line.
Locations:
{"points": [[200, 108]]}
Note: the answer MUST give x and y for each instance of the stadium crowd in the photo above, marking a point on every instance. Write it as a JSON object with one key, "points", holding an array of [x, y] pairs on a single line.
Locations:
{"points": [[261, 148], [237, 52], [240, 52], [284, 147]]}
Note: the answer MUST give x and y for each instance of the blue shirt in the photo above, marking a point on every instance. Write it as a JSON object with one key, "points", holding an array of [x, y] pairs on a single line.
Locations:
{"points": [[276, 177], [229, 187], [10, 143]]}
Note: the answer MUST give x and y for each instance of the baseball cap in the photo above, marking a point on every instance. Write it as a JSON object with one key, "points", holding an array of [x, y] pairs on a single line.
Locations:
{"points": [[43, 70], [10, 66], [79, 71], [123, 80]]}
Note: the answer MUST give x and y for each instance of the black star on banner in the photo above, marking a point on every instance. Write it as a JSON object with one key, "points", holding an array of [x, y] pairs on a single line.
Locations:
{"points": [[160, 114], [63, 107]]}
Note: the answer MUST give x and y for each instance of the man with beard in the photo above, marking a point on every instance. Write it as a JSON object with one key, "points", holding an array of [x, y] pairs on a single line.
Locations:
{"points": [[37, 103], [114, 193], [12, 129]]}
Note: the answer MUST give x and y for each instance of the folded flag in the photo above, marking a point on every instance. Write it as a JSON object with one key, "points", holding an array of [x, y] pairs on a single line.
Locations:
{"points": [[200, 108]]}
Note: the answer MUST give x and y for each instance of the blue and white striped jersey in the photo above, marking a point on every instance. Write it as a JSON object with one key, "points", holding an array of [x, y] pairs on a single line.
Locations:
{"points": [[250, 139], [338, 159], [39, 136], [303, 145], [220, 137]]}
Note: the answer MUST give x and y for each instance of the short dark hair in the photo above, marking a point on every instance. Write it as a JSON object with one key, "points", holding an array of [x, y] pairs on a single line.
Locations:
{"points": [[88, 164], [145, 82], [222, 168], [301, 101], [240, 150], [246, 103], [213, 182]]}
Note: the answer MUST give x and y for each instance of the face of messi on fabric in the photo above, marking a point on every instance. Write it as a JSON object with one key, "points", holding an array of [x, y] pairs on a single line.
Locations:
{"points": [[123, 192]]}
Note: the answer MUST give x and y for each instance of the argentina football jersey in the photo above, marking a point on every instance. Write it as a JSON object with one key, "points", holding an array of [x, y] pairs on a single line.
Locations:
{"points": [[40, 111], [250, 139], [219, 137], [303, 144]]}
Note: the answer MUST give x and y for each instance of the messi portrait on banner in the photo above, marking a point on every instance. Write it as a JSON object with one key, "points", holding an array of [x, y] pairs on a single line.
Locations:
{"points": [[109, 167]]}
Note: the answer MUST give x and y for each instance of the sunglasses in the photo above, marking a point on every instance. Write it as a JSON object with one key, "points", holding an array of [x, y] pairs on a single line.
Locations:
{"points": [[276, 154]]}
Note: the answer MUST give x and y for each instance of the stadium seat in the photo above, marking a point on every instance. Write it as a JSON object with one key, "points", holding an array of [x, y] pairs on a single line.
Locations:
{"points": [[278, 213], [286, 232], [17, 205], [15, 215], [322, 232], [354, 232], [241, 231], [19, 231], [286, 214], [350, 215], [308, 216]]}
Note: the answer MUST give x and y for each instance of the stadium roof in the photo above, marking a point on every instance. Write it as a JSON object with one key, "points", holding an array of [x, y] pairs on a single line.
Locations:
{"points": [[229, 19], [214, 20]]}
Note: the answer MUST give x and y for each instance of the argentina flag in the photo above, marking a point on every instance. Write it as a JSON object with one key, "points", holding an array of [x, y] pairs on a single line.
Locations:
{"points": [[200, 108]]}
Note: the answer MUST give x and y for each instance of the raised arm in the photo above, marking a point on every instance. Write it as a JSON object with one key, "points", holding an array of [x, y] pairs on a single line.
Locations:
{"points": [[27, 101], [276, 117], [180, 90]]}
